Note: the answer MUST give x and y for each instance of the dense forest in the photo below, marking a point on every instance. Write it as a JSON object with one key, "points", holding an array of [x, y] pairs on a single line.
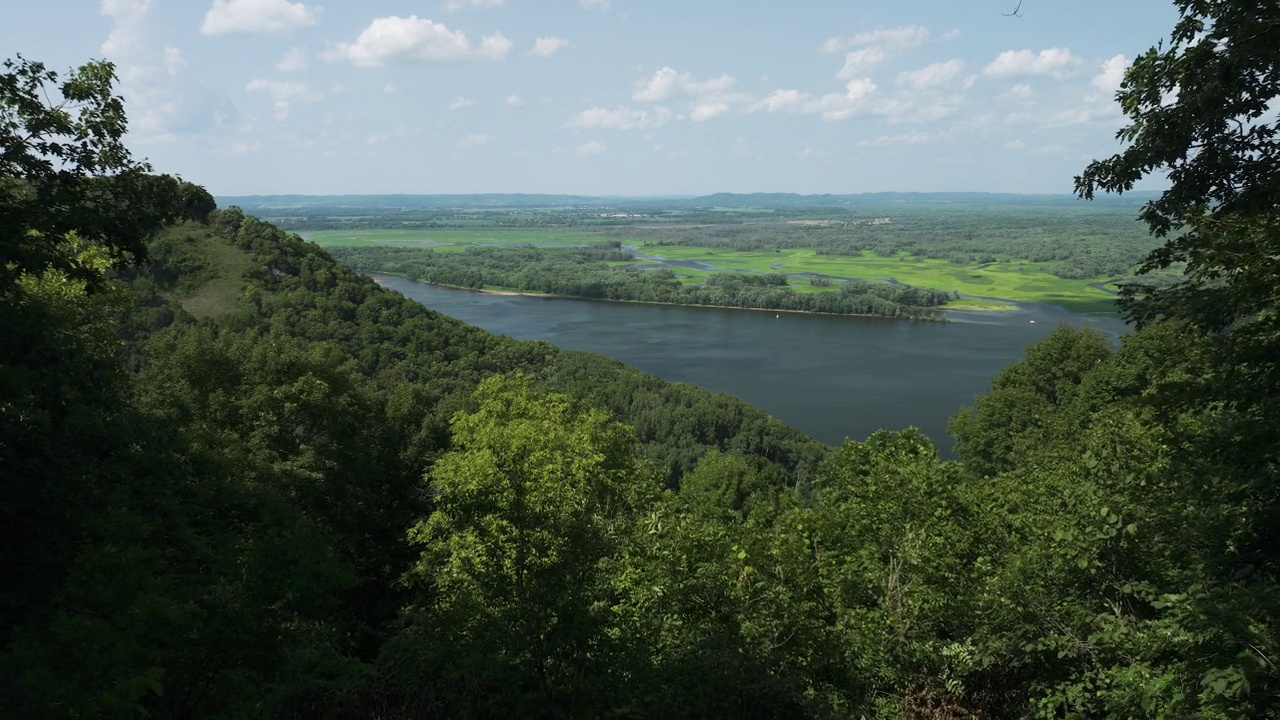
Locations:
{"points": [[240, 480], [585, 273]]}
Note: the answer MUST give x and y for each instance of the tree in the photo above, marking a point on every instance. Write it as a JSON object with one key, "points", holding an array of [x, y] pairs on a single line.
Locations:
{"points": [[1202, 111], [64, 168], [533, 498]]}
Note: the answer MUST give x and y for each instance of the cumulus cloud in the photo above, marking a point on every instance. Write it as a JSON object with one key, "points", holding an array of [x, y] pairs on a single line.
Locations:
{"points": [[667, 84], [163, 99], [600, 5], [860, 63], [390, 89], [284, 94], [475, 139], [949, 74], [1056, 62], [241, 148], [622, 118], [1112, 74], [261, 16], [1021, 90], [547, 46], [515, 100], [452, 5], [855, 100], [904, 37], [293, 61], [706, 111], [595, 147], [126, 35], [417, 41], [461, 102]]}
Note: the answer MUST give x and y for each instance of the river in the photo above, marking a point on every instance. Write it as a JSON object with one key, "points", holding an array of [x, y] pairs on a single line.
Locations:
{"points": [[831, 376]]}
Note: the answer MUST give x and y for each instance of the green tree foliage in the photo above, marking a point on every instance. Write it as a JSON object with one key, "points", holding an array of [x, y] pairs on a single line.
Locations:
{"points": [[532, 499], [64, 168], [893, 554], [1201, 110], [214, 507], [1028, 402]]}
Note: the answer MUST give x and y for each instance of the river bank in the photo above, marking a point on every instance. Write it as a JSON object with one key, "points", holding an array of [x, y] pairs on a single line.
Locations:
{"points": [[518, 293]]}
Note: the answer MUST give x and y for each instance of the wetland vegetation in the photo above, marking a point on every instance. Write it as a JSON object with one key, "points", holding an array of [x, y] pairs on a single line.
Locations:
{"points": [[985, 252]]}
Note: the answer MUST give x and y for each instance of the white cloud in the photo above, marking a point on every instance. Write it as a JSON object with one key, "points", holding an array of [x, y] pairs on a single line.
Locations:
{"points": [[293, 61], [515, 100], [241, 148], [622, 118], [413, 41], [1112, 74], [855, 100], [284, 94], [600, 5], [1021, 90], [547, 46], [1056, 62], [475, 139], [390, 89], [164, 101], [890, 140], [173, 60], [938, 75], [860, 63], [452, 5], [126, 35], [667, 84], [595, 147], [461, 102], [898, 38], [262, 16], [707, 111]]}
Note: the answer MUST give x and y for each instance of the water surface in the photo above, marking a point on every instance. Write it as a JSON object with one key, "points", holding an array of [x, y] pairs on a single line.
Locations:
{"points": [[831, 376]]}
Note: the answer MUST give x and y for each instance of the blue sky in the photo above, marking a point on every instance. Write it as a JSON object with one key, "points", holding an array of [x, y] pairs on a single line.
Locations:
{"points": [[607, 97]]}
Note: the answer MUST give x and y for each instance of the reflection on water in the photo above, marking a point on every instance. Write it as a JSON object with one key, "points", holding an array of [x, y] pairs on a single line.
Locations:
{"points": [[833, 377]]}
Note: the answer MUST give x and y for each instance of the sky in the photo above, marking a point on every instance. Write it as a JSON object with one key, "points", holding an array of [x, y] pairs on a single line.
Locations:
{"points": [[608, 97]]}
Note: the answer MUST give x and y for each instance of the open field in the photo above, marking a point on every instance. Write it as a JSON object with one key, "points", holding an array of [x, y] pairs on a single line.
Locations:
{"points": [[985, 283], [220, 293], [1009, 279]]}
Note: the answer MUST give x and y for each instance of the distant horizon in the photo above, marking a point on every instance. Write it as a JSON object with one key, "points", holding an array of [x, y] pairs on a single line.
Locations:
{"points": [[679, 196]]}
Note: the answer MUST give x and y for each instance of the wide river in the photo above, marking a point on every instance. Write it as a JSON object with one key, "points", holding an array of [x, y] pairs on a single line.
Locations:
{"points": [[831, 376]]}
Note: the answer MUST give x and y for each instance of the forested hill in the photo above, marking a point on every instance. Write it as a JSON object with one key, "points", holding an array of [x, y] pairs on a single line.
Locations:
{"points": [[244, 481], [267, 281]]}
